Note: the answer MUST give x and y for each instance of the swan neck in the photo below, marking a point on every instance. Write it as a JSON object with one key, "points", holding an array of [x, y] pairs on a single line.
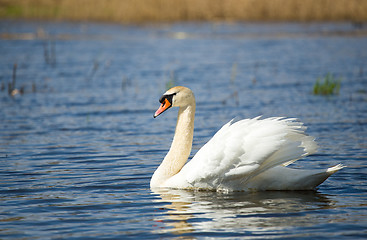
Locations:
{"points": [[180, 147], [182, 141]]}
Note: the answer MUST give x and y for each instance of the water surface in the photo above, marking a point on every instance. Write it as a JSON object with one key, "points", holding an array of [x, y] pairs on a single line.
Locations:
{"points": [[78, 147]]}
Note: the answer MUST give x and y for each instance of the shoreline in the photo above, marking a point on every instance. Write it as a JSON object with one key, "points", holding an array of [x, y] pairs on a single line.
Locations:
{"points": [[167, 11]]}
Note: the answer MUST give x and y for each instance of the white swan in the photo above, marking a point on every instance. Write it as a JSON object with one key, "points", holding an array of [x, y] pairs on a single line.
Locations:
{"points": [[251, 154]]}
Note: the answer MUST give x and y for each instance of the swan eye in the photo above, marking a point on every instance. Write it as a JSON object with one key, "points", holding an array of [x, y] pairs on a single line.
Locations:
{"points": [[168, 97]]}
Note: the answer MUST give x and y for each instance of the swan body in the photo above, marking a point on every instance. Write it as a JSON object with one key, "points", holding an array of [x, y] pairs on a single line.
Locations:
{"points": [[250, 154]]}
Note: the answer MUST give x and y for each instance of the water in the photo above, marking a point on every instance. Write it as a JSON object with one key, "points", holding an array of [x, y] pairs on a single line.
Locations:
{"points": [[78, 147]]}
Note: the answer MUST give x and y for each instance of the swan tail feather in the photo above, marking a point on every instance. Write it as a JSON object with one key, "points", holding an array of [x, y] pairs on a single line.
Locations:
{"points": [[334, 169]]}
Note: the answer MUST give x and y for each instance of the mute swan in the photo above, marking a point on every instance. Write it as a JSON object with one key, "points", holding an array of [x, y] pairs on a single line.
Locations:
{"points": [[251, 154]]}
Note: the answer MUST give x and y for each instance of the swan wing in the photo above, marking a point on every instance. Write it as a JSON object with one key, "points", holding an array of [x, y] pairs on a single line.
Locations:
{"points": [[241, 150]]}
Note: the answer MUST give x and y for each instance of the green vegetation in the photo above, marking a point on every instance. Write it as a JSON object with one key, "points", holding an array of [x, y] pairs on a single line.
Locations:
{"points": [[172, 81], [140, 11], [327, 85]]}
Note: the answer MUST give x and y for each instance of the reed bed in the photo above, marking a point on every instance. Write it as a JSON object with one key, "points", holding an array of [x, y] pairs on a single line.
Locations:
{"points": [[328, 85], [140, 11]]}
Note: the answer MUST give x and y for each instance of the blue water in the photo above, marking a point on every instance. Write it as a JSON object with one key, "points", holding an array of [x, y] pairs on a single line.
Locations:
{"points": [[78, 147]]}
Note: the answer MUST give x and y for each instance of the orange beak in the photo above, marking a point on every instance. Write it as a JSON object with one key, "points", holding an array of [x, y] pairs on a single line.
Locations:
{"points": [[164, 106]]}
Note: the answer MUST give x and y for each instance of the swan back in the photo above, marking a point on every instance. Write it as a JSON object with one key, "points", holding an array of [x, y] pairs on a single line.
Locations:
{"points": [[242, 150]]}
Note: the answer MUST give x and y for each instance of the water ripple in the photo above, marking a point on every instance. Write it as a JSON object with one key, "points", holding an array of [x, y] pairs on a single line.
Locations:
{"points": [[78, 148]]}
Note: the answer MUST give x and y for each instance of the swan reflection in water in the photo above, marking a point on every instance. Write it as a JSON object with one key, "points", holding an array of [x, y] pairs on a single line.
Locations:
{"points": [[245, 213]]}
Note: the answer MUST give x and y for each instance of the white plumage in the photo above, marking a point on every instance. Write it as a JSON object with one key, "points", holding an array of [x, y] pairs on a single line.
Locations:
{"points": [[251, 154]]}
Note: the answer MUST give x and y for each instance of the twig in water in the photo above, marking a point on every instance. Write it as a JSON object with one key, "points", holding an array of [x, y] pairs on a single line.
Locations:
{"points": [[125, 83], [171, 81], [45, 52], [11, 86], [233, 73], [53, 54], [94, 69], [49, 52]]}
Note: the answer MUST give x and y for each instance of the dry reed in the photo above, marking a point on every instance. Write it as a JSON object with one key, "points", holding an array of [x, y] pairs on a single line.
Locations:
{"points": [[137, 11]]}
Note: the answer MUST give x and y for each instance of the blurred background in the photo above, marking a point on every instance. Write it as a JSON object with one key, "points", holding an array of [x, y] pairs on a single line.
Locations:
{"points": [[142, 11], [80, 81]]}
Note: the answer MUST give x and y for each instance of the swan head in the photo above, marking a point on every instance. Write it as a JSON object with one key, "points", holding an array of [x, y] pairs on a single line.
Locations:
{"points": [[175, 97]]}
